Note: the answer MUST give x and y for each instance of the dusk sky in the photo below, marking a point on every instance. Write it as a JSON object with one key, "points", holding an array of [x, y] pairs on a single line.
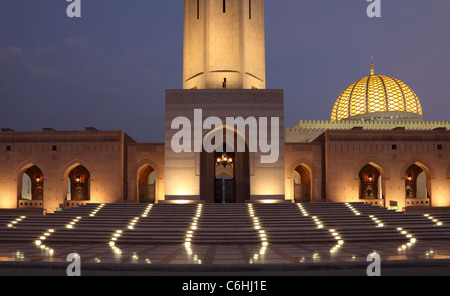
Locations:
{"points": [[110, 68]]}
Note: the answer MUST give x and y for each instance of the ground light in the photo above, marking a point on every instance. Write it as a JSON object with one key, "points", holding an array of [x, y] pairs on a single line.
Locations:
{"points": [[16, 221], [261, 234], [257, 226], [131, 225], [319, 225], [190, 233], [434, 220]]}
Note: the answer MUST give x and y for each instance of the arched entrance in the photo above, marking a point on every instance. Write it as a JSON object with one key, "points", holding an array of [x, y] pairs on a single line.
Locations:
{"points": [[146, 184], [31, 184], [372, 184], [417, 186], [224, 182], [78, 184], [302, 184]]}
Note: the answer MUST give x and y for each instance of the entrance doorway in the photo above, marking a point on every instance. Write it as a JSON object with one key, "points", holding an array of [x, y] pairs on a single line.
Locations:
{"points": [[227, 182], [32, 184], [371, 183], [302, 184], [417, 186], [78, 184], [146, 185], [224, 183]]}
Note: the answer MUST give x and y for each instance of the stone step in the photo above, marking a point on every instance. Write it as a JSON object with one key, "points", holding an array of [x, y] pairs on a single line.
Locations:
{"points": [[221, 224]]}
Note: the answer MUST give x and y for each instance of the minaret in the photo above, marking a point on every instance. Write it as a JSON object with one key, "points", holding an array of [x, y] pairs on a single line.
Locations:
{"points": [[224, 44]]}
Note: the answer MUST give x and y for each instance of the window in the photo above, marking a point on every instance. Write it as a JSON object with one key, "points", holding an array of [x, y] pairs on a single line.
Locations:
{"points": [[198, 9], [250, 9], [8, 148], [394, 147], [224, 6], [54, 148], [439, 147]]}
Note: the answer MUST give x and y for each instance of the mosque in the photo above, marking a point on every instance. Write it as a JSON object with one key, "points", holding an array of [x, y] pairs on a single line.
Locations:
{"points": [[376, 148]]}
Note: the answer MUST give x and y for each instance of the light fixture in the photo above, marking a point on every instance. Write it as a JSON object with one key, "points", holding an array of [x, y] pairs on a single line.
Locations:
{"points": [[38, 179], [370, 179], [409, 178], [224, 160], [78, 180]]}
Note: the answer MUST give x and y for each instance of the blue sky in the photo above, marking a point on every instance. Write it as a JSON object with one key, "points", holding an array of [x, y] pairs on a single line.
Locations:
{"points": [[110, 68]]}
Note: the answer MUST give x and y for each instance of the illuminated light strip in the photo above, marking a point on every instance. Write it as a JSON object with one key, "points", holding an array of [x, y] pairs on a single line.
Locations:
{"points": [[118, 233], [410, 237], [434, 220], [256, 256], [94, 212], [48, 233], [16, 221], [257, 226], [193, 226], [377, 221], [43, 237], [190, 233], [320, 225], [353, 209], [77, 219], [39, 242], [314, 218], [147, 210]]}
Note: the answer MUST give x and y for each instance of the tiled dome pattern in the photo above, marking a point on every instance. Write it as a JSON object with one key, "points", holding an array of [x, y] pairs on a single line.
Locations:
{"points": [[375, 94]]}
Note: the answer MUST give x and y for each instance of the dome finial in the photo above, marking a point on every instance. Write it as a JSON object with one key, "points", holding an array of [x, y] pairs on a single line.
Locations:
{"points": [[372, 72]]}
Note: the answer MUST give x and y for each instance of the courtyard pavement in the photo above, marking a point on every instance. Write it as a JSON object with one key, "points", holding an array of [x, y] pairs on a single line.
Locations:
{"points": [[427, 258]]}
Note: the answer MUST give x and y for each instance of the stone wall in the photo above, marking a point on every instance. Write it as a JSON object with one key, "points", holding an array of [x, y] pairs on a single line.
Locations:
{"points": [[392, 153], [56, 154]]}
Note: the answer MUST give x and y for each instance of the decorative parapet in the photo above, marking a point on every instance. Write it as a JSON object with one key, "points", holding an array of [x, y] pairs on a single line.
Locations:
{"points": [[308, 130], [370, 125]]}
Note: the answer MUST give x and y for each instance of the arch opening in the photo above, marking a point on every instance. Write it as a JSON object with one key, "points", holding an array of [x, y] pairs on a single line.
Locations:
{"points": [[417, 185], [78, 184], [146, 184], [372, 183], [302, 184], [224, 182], [31, 184]]}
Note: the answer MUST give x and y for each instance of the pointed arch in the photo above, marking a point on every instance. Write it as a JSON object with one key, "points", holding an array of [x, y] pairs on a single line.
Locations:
{"points": [[146, 161], [226, 136], [37, 188], [381, 166], [307, 163], [22, 167], [150, 166], [420, 162], [64, 172], [67, 169], [240, 183], [309, 166]]}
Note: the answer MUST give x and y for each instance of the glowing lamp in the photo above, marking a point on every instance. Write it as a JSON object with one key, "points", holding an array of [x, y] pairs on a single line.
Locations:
{"points": [[224, 160]]}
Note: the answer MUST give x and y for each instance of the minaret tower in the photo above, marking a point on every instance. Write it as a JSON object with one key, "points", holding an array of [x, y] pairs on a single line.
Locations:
{"points": [[224, 44]]}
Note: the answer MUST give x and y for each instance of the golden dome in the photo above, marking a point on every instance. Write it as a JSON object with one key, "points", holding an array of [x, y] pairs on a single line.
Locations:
{"points": [[377, 97]]}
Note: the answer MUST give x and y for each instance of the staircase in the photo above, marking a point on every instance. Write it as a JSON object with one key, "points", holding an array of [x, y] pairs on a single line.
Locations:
{"points": [[336, 223]]}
